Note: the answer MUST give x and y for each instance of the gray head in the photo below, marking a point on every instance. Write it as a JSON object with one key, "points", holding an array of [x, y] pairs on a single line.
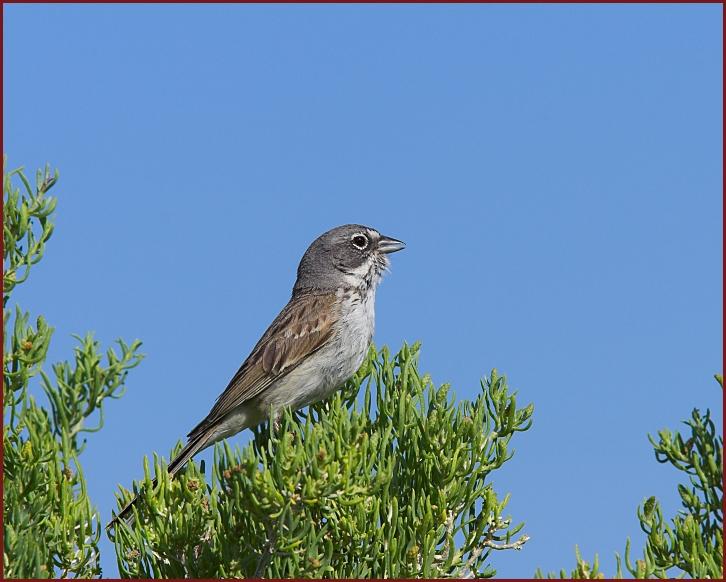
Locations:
{"points": [[346, 256]]}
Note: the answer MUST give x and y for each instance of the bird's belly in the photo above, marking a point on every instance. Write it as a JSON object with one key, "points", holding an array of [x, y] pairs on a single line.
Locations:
{"points": [[331, 366]]}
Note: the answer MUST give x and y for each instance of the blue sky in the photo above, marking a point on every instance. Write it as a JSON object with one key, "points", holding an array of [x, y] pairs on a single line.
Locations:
{"points": [[555, 171]]}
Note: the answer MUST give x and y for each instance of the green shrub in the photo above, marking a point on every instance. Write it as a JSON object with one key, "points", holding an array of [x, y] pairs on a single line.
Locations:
{"points": [[388, 478], [51, 528], [691, 543]]}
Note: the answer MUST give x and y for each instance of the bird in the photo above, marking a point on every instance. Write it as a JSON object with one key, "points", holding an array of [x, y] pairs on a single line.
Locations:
{"points": [[314, 345]]}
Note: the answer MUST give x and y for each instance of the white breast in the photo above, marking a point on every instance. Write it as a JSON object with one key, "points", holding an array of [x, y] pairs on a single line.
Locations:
{"points": [[358, 321], [331, 366]]}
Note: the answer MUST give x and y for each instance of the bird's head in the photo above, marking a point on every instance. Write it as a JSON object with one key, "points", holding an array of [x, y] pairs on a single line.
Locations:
{"points": [[351, 255]]}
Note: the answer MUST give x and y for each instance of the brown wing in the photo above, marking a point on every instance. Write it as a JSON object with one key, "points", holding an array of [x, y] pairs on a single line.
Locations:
{"points": [[301, 328]]}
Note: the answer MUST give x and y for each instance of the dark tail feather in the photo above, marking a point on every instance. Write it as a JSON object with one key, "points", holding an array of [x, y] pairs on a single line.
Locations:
{"points": [[189, 450]]}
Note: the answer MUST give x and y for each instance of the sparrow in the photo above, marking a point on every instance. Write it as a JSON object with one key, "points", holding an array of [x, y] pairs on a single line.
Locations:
{"points": [[315, 344]]}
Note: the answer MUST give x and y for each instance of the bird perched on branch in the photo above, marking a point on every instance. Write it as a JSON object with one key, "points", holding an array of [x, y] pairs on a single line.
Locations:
{"points": [[314, 345]]}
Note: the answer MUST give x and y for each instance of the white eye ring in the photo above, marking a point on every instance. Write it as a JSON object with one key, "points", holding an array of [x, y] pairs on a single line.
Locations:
{"points": [[359, 240]]}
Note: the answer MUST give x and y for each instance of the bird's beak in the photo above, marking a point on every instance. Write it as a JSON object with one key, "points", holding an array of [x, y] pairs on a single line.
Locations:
{"points": [[389, 245]]}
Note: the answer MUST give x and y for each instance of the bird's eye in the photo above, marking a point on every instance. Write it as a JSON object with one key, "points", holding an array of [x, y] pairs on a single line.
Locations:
{"points": [[360, 241]]}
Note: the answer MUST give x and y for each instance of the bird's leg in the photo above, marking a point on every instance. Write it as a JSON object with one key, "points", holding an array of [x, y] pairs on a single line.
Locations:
{"points": [[276, 415]]}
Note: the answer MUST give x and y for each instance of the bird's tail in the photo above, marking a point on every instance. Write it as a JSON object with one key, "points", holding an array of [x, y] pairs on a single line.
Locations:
{"points": [[190, 449]]}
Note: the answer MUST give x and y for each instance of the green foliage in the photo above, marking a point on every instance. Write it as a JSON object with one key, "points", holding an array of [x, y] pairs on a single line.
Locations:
{"points": [[692, 543], [388, 478], [26, 225], [51, 529]]}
